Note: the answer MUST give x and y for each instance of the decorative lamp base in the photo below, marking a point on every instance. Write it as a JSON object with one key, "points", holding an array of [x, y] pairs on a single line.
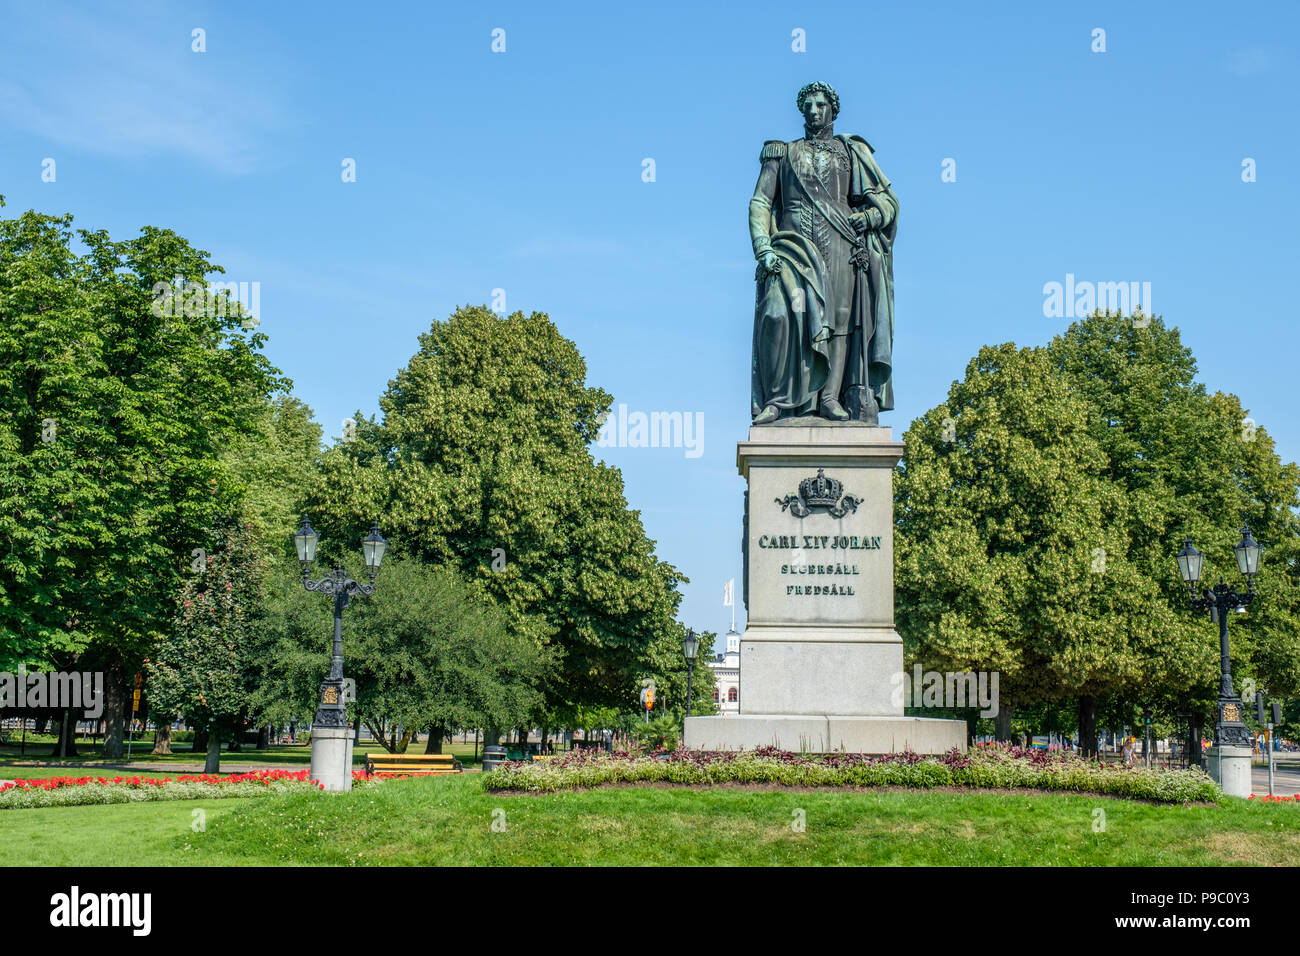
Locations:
{"points": [[331, 757], [1230, 769]]}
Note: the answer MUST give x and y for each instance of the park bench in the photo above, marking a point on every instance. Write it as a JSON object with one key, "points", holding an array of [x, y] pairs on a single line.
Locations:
{"points": [[416, 765]]}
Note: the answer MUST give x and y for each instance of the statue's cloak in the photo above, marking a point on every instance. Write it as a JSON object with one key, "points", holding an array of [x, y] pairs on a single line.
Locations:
{"points": [[790, 307]]}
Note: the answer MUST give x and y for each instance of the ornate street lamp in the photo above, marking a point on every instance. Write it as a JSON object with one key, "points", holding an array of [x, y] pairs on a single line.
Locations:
{"points": [[331, 741], [690, 647], [1229, 731]]}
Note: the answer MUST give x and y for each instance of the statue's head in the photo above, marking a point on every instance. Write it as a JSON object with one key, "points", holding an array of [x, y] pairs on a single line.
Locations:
{"points": [[819, 104]]}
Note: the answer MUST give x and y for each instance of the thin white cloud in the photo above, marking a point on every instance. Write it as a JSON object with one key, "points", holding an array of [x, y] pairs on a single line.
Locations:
{"points": [[119, 85]]}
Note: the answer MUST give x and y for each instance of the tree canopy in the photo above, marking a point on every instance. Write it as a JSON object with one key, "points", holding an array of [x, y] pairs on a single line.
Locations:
{"points": [[118, 407], [482, 463], [1038, 511]]}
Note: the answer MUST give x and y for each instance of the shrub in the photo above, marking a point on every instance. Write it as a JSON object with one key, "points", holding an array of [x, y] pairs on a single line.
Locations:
{"points": [[82, 791], [997, 767], [660, 733]]}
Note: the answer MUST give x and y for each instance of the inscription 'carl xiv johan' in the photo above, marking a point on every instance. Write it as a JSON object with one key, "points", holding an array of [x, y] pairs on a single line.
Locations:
{"points": [[843, 542]]}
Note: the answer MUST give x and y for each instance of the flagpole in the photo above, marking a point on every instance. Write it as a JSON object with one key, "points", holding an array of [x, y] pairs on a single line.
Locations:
{"points": [[729, 599]]}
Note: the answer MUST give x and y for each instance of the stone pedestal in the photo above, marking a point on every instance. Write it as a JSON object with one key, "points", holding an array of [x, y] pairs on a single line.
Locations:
{"points": [[1230, 768], [331, 757], [820, 661]]}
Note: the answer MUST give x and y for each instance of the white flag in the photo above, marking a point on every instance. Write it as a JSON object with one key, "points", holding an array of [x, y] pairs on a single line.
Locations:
{"points": [[727, 599]]}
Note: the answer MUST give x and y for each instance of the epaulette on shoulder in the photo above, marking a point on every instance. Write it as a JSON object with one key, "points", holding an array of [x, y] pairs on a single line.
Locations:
{"points": [[772, 149]]}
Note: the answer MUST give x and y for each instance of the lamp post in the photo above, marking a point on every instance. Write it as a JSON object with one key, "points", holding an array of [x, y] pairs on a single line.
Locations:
{"points": [[1230, 734], [331, 740], [690, 647]]}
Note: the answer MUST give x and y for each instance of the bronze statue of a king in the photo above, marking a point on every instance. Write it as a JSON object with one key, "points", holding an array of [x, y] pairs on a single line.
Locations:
{"points": [[823, 221]]}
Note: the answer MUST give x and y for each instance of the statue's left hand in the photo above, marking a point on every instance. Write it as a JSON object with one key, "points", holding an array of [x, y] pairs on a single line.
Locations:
{"points": [[868, 219]]}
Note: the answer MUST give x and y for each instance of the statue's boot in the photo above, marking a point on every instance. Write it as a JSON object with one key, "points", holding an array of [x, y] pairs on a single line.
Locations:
{"points": [[768, 415], [830, 393], [833, 410]]}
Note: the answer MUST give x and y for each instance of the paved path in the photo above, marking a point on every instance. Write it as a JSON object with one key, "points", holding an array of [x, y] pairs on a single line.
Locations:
{"points": [[1286, 780]]}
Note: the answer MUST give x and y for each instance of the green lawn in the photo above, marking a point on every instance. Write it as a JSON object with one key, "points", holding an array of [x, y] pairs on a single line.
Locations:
{"points": [[448, 821]]}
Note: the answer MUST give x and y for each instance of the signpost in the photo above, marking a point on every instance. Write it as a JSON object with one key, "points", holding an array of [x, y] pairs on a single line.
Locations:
{"points": [[1276, 714], [135, 705], [648, 698]]}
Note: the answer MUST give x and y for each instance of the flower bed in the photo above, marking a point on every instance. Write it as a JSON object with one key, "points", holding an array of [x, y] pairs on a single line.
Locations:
{"points": [[80, 791], [998, 767], [1265, 798]]}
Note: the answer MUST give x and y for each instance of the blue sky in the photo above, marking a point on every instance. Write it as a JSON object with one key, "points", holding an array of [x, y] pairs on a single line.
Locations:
{"points": [[522, 171]]}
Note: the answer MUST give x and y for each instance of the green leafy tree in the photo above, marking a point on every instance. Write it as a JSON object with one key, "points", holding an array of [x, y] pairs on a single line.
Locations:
{"points": [[275, 465], [146, 383], [199, 669], [999, 509], [428, 650], [436, 652], [665, 662], [1189, 463], [1038, 511], [482, 463], [47, 398]]}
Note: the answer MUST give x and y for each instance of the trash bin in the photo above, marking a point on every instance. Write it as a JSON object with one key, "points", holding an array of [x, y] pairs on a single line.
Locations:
{"points": [[493, 757]]}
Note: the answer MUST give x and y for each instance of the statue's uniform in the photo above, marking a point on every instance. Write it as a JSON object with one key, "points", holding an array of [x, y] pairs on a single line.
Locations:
{"points": [[816, 322], [814, 179]]}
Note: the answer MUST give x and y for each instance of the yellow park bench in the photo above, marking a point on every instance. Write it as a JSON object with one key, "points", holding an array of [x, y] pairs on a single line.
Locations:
{"points": [[415, 765]]}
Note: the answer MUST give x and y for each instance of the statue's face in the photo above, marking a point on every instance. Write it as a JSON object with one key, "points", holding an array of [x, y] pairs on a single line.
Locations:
{"points": [[816, 110]]}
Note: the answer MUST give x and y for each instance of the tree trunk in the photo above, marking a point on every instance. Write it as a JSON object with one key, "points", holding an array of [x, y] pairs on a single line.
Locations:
{"points": [[434, 746], [1004, 723], [1195, 756], [213, 763], [405, 742], [377, 733], [162, 736], [200, 740], [67, 745], [1088, 726], [115, 705], [263, 736]]}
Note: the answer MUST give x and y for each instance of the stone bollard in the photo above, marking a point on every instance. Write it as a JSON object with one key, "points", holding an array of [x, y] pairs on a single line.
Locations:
{"points": [[331, 757], [1230, 769]]}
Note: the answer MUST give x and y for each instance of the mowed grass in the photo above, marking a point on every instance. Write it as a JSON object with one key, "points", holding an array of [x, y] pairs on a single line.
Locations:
{"points": [[131, 834], [449, 821]]}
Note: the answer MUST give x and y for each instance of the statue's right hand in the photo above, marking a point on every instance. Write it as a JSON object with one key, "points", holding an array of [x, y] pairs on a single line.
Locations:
{"points": [[771, 262]]}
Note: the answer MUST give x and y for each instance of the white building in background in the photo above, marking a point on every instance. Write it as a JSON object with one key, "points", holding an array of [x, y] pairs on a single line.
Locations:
{"points": [[726, 670]]}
